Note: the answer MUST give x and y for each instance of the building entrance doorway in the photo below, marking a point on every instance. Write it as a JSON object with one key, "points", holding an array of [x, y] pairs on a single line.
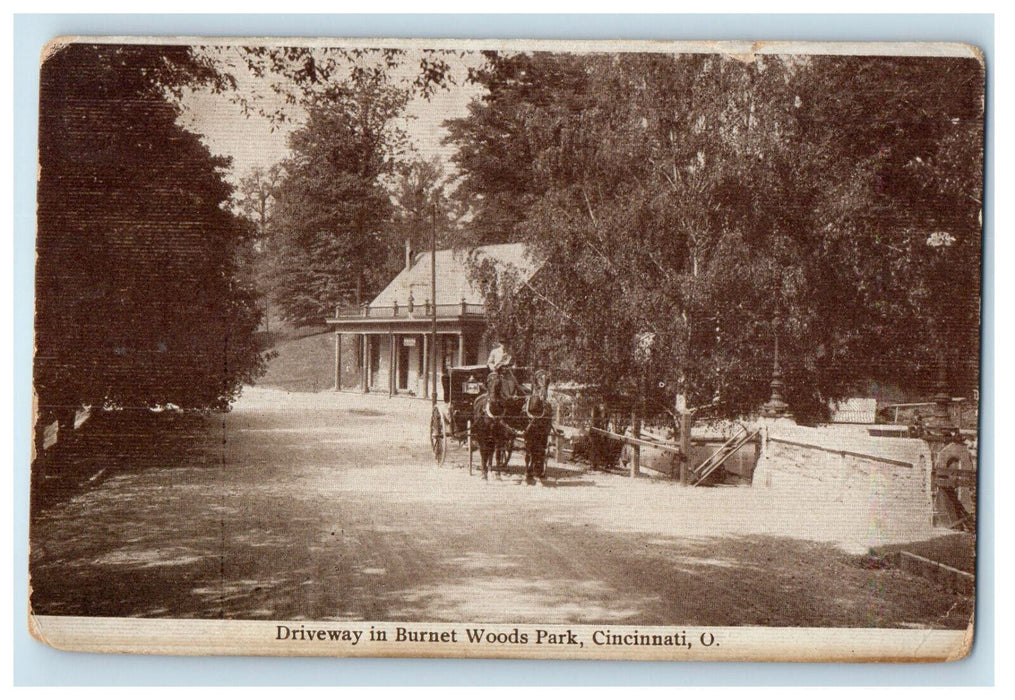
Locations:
{"points": [[404, 354]]}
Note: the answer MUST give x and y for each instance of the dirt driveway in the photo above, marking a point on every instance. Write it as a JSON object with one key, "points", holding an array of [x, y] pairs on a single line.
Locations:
{"points": [[328, 506]]}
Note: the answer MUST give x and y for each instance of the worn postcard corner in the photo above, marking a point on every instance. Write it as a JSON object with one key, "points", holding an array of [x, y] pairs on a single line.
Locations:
{"points": [[55, 45], [967, 644], [512, 349]]}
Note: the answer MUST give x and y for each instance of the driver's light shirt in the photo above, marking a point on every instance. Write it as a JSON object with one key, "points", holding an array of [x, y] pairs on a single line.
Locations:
{"points": [[498, 358]]}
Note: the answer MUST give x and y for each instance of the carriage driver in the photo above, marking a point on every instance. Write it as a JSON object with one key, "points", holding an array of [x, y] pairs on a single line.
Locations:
{"points": [[500, 360]]}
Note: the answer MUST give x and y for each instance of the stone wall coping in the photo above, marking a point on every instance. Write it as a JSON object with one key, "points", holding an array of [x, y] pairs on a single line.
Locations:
{"points": [[842, 452], [887, 449]]}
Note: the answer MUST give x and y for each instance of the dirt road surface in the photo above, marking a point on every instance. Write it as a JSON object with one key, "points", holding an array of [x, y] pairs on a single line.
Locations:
{"points": [[329, 507]]}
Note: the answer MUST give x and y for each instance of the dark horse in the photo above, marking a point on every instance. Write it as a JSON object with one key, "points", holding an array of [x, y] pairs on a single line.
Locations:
{"points": [[539, 418], [499, 416], [495, 418]]}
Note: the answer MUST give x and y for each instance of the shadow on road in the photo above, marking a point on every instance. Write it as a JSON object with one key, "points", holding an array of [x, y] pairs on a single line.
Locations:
{"points": [[556, 476], [119, 442], [567, 483]]}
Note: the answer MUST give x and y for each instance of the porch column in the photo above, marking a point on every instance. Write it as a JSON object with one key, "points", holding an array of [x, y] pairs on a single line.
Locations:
{"points": [[391, 362], [366, 364], [338, 360], [461, 349], [426, 366]]}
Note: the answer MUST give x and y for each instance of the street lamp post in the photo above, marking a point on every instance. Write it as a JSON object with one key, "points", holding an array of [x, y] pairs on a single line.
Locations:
{"points": [[776, 407], [642, 356], [433, 307]]}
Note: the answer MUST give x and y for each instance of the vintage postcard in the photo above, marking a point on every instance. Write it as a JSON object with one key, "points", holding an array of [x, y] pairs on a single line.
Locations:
{"points": [[533, 349]]}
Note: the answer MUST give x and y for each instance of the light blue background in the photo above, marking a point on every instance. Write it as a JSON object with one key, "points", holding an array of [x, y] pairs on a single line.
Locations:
{"points": [[37, 664]]}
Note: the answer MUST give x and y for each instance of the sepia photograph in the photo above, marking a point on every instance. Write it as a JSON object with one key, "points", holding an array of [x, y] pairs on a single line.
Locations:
{"points": [[490, 348]]}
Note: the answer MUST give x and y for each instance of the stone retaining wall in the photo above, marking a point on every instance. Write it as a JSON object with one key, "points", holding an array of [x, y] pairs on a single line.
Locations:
{"points": [[878, 485]]}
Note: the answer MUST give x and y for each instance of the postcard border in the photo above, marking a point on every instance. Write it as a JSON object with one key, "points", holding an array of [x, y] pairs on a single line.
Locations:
{"points": [[28, 669]]}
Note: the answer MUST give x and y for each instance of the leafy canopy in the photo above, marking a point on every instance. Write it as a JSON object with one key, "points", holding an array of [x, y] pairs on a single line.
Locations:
{"points": [[709, 203]]}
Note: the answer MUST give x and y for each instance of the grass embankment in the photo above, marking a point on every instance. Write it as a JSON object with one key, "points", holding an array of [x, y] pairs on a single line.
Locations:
{"points": [[304, 361], [956, 550]]}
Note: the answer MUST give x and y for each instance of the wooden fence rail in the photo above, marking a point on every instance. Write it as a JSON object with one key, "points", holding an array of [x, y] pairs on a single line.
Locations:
{"points": [[641, 442]]}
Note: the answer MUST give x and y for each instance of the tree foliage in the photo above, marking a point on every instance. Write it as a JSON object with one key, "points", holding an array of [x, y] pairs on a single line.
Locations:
{"points": [[137, 302], [709, 203], [254, 200], [330, 227], [418, 196], [303, 75], [256, 194], [353, 189]]}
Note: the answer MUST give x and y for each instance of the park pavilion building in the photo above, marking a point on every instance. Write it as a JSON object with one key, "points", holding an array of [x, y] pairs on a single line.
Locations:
{"points": [[385, 346]]}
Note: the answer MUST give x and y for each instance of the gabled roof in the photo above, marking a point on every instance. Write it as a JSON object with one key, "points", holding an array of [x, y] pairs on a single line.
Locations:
{"points": [[453, 283]]}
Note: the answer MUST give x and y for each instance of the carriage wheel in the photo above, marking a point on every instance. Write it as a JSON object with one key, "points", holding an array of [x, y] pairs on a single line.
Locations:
{"points": [[438, 437]]}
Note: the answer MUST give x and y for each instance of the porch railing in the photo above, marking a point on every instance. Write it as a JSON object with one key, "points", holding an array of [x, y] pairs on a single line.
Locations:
{"points": [[414, 311]]}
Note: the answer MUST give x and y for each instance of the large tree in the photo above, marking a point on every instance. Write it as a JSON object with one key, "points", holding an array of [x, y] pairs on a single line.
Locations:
{"points": [[347, 197], [701, 205], [254, 200], [137, 301], [420, 204], [332, 220]]}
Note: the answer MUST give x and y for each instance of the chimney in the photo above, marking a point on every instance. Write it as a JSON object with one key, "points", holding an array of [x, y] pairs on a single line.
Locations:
{"points": [[408, 253]]}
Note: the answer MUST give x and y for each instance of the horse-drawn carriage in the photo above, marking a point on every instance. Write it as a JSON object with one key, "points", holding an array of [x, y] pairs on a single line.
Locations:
{"points": [[492, 411]]}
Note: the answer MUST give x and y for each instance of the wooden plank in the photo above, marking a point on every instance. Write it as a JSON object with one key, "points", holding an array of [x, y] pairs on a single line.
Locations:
{"points": [[641, 442]]}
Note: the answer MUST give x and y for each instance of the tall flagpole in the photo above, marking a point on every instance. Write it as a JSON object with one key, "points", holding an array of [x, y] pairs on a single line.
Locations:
{"points": [[433, 296]]}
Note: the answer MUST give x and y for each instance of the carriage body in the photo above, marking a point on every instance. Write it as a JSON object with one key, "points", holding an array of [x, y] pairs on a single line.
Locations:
{"points": [[468, 383], [451, 420]]}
